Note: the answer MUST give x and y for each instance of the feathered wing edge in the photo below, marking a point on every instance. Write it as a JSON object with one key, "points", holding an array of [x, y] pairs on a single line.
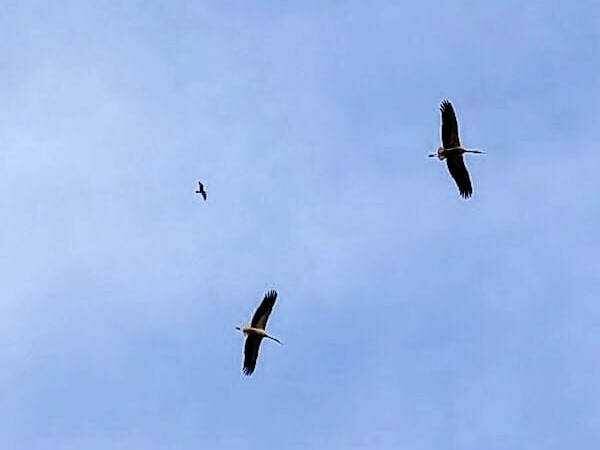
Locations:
{"points": [[450, 137], [458, 170], [251, 349], [261, 316]]}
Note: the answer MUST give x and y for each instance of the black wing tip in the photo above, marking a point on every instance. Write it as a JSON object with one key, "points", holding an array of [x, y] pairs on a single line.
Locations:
{"points": [[466, 194], [445, 104], [271, 295]]}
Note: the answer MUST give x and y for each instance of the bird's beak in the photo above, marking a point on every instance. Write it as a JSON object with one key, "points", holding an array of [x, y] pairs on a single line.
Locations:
{"points": [[432, 156]]}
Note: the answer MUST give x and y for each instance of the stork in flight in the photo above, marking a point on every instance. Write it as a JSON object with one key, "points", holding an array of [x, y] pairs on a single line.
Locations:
{"points": [[452, 152], [201, 190], [256, 332]]}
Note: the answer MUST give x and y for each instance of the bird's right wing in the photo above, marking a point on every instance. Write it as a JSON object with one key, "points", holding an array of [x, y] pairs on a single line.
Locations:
{"points": [[458, 170], [259, 320], [449, 126], [251, 353]]}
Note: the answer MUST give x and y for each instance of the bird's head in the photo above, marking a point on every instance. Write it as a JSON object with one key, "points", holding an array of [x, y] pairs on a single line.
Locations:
{"points": [[439, 153]]}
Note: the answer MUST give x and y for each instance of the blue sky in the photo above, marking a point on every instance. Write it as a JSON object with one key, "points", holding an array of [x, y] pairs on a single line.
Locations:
{"points": [[411, 318]]}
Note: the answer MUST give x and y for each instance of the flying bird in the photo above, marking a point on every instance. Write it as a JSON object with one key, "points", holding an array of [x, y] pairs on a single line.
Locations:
{"points": [[452, 152], [256, 332], [201, 190]]}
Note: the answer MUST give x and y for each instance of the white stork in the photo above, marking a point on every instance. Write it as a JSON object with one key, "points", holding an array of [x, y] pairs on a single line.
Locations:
{"points": [[256, 331], [452, 152]]}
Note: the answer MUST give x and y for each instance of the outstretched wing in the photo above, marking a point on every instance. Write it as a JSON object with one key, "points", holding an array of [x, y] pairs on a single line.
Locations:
{"points": [[259, 320], [203, 193], [251, 353], [458, 170], [449, 126]]}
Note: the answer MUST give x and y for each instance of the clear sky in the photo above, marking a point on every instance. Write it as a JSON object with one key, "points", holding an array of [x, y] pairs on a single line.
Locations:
{"points": [[412, 319]]}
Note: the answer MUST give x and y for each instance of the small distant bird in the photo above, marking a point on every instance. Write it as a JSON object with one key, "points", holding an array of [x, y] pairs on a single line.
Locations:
{"points": [[201, 190], [452, 152], [256, 332]]}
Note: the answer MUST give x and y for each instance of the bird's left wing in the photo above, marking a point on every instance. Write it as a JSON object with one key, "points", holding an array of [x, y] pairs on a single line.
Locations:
{"points": [[251, 353], [259, 320], [458, 170]]}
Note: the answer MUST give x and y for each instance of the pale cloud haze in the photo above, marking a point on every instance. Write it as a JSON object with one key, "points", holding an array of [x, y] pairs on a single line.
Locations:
{"points": [[411, 318]]}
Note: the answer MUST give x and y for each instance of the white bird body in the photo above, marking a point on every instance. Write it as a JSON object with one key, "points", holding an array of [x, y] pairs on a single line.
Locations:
{"points": [[443, 153], [259, 332], [255, 331]]}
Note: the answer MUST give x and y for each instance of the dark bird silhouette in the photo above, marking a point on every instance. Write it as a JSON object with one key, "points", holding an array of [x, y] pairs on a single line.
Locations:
{"points": [[256, 332], [452, 151], [201, 190]]}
